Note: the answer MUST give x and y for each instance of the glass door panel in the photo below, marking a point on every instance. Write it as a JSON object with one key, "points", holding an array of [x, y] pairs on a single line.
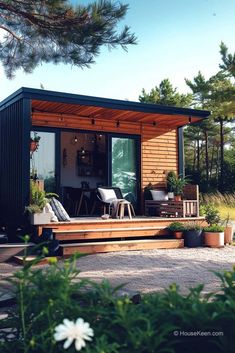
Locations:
{"points": [[124, 166], [42, 160]]}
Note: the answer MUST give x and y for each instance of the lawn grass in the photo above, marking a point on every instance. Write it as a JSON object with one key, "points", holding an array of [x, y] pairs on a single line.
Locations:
{"points": [[225, 211]]}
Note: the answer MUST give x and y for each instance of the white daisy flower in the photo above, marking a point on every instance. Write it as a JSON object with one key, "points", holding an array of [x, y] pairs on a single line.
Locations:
{"points": [[70, 331]]}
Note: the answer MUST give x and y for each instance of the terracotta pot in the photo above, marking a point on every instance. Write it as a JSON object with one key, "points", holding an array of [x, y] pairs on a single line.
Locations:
{"points": [[177, 197], [228, 235], [178, 235], [214, 239]]}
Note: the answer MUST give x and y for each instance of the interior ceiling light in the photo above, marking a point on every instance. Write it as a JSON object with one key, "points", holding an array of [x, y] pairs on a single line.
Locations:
{"points": [[74, 140]]}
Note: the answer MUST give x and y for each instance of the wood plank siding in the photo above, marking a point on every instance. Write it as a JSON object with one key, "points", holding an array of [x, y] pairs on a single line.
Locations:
{"points": [[159, 154]]}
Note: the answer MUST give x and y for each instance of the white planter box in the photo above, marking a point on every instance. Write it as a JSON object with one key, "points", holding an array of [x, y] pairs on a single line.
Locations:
{"points": [[40, 218], [214, 239]]}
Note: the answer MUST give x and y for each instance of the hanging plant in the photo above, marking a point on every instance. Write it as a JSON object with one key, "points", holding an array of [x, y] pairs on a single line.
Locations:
{"points": [[34, 142]]}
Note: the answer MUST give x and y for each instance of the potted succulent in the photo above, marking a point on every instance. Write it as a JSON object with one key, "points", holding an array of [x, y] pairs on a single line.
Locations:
{"points": [[193, 235], [214, 233], [34, 142], [38, 200], [177, 229]]}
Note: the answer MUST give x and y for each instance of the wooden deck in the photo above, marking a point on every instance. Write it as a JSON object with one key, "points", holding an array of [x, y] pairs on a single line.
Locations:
{"points": [[92, 235]]}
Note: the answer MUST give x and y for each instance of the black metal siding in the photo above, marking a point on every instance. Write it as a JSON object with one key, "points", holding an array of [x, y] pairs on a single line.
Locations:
{"points": [[181, 151], [14, 161]]}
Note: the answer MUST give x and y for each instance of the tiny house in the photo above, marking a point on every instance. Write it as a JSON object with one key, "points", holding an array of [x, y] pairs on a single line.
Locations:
{"points": [[85, 141]]}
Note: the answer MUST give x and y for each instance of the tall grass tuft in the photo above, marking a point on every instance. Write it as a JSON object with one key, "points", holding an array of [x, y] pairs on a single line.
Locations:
{"points": [[219, 199], [224, 202]]}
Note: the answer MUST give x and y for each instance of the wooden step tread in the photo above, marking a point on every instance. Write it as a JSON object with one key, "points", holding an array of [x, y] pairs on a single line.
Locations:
{"points": [[104, 230], [121, 242], [108, 246]]}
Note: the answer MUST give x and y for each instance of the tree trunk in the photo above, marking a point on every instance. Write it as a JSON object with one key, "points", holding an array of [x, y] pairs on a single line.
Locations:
{"points": [[212, 161], [198, 157], [221, 177], [194, 157], [206, 158]]}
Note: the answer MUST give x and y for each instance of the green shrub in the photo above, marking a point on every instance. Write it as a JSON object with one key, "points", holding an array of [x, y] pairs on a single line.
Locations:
{"points": [[215, 228], [192, 226], [176, 227], [212, 214], [161, 322]]}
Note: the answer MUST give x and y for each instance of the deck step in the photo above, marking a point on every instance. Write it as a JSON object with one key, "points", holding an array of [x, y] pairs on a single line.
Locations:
{"points": [[99, 233], [107, 246]]}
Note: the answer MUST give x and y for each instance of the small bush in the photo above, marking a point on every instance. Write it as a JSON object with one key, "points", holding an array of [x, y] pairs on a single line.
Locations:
{"points": [[176, 227], [161, 322], [214, 228], [192, 226]]}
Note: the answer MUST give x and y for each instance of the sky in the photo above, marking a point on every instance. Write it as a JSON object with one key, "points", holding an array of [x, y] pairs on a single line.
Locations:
{"points": [[176, 39]]}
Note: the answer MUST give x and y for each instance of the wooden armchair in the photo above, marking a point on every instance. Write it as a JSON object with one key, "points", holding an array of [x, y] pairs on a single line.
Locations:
{"points": [[188, 207]]}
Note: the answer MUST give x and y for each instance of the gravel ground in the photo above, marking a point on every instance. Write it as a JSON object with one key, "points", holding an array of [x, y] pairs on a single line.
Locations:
{"points": [[150, 270]]}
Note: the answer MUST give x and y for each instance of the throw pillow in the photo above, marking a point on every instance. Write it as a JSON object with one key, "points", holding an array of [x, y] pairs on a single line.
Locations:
{"points": [[59, 210], [159, 195], [107, 195], [49, 209]]}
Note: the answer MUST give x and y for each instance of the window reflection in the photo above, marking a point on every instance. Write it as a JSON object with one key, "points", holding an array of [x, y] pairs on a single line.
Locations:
{"points": [[42, 160], [124, 167]]}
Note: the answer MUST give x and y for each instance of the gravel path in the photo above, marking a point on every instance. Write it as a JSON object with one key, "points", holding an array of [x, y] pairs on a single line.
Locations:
{"points": [[152, 270]]}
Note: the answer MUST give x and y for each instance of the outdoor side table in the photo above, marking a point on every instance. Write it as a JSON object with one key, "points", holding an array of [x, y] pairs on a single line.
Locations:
{"points": [[123, 206]]}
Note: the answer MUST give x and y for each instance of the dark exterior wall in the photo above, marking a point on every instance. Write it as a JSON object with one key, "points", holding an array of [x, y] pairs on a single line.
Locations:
{"points": [[181, 167], [14, 161]]}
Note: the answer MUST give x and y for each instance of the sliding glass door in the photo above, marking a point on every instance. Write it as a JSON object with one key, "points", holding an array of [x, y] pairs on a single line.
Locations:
{"points": [[125, 169]]}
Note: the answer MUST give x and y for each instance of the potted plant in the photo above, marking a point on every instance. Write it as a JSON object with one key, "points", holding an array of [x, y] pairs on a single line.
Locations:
{"points": [[38, 200], [214, 233], [171, 176], [228, 231], [214, 236], [193, 235], [178, 187], [177, 229], [34, 142]]}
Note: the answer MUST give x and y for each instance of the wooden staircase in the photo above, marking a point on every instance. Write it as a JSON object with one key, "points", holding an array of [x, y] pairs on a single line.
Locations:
{"points": [[94, 235], [120, 245]]}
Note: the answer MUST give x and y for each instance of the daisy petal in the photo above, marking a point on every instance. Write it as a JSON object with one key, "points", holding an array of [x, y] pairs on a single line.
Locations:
{"points": [[68, 343]]}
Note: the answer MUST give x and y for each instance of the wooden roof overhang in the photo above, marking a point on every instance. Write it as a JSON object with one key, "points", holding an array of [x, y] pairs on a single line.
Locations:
{"points": [[59, 105]]}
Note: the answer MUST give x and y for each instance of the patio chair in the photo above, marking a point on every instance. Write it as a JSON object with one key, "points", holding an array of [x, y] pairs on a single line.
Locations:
{"points": [[110, 197]]}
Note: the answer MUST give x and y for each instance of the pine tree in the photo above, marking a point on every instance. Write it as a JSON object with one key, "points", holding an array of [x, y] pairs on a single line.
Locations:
{"points": [[37, 31], [228, 60], [166, 94], [216, 95]]}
